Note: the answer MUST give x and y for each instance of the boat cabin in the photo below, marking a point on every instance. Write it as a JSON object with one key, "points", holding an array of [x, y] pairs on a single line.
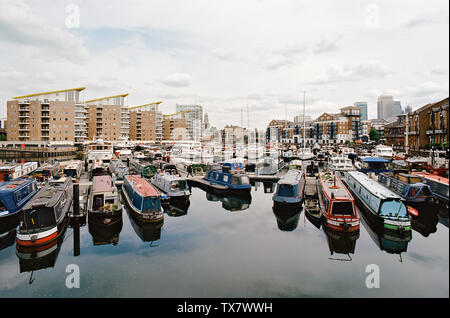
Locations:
{"points": [[104, 193], [15, 194]]}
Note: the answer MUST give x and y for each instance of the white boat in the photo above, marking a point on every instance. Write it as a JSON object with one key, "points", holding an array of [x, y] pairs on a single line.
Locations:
{"points": [[100, 150], [138, 155], [174, 186], [340, 163], [305, 154], [10, 172], [73, 169], [383, 151], [207, 156], [125, 154]]}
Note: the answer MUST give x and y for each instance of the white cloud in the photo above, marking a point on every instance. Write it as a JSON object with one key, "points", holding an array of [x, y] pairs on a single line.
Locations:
{"points": [[177, 80]]}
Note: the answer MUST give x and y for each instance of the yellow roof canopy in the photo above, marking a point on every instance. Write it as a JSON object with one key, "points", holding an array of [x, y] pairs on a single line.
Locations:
{"points": [[52, 92], [94, 100]]}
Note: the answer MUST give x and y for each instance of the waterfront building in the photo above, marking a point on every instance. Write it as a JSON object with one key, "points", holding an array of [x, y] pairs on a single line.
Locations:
{"points": [[378, 125], [428, 125], [174, 128], [146, 122], [55, 117], [394, 133], [193, 114], [108, 119]]}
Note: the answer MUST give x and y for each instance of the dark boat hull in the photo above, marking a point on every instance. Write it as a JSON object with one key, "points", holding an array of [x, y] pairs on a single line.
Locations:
{"points": [[105, 218], [152, 217]]}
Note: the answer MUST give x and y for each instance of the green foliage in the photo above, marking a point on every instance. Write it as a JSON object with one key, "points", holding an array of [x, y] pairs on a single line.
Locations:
{"points": [[374, 135]]}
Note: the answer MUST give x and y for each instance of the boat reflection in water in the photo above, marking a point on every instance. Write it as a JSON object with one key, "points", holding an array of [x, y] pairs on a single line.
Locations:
{"points": [[105, 234], [426, 222], [389, 241], [8, 237], [176, 207], [147, 231], [268, 186], [231, 203], [33, 258], [341, 243], [287, 217]]}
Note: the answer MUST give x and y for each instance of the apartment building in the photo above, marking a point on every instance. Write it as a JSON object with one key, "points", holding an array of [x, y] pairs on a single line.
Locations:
{"points": [[394, 133], [106, 118], [174, 128], [146, 122], [428, 125], [194, 120], [55, 117]]}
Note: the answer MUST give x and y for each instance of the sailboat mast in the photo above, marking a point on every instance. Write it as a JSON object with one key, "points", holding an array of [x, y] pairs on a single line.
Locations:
{"points": [[304, 93]]}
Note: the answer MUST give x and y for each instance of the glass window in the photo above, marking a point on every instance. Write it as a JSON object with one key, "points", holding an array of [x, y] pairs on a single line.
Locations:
{"points": [[342, 208], [393, 208], [245, 180], [285, 190], [151, 203]]}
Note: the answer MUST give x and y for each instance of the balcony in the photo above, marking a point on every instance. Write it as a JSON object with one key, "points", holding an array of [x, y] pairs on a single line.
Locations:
{"points": [[413, 132]]}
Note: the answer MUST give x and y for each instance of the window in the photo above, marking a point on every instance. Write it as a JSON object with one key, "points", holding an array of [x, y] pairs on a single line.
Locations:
{"points": [[342, 208], [18, 196]]}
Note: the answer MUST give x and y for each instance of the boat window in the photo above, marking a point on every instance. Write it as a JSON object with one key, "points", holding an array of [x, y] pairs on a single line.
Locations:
{"points": [[2, 206], [137, 201], [98, 201], [179, 185], [18, 196], [235, 180], [245, 180], [393, 208], [225, 178], [42, 218], [342, 208], [285, 190], [151, 203]]}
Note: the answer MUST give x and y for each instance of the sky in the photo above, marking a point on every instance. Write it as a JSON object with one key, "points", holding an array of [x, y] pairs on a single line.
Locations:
{"points": [[229, 55]]}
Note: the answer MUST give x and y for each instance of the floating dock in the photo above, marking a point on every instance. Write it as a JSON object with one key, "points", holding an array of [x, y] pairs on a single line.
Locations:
{"points": [[311, 187], [202, 183]]}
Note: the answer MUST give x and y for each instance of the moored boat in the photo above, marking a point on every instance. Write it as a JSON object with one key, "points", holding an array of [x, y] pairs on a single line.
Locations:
{"points": [[385, 207], [10, 172], [46, 171], [174, 186], [13, 197], [142, 199], [290, 188], [439, 185], [44, 218], [103, 203], [336, 204], [73, 169], [233, 181], [409, 186]]}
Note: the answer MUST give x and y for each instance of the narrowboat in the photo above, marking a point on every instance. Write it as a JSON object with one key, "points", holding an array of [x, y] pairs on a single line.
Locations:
{"points": [[231, 203], [385, 207], [99, 168], [174, 186], [287, 218], [145, 169], [103, 202], [408, 186], [46, 171], [142, 199], [296, 164], [372, 164], [269, 186], [233, 181], [312, 212], [169, 168], [10, 172], [118, 168], [13, 197], [290, 188], [73, 169], [44, 218], [438, 185], [312, 170], [337, 205]]}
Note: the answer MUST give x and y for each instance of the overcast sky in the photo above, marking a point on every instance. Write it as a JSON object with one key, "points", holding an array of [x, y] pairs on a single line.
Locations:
{"points": [[226, 55]]}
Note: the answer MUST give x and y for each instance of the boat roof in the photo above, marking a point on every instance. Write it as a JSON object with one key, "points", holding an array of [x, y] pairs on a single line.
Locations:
{"points": [[337, 188], [171, 177], [102, 184], [48, 195], [433, 177], [375, 159], [142, 186], [416, 159], [291, 177], [373, 186], [12, 185]]}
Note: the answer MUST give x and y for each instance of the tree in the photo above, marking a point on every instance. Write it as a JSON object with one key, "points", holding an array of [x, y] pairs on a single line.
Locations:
{"points": [[374, 135]]}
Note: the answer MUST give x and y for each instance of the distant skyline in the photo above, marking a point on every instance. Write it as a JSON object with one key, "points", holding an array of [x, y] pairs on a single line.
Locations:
{"points": [[227, 55]]}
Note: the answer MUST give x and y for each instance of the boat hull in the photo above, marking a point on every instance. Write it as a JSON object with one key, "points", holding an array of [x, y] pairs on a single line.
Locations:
{"points": [[151, 217], [41, 238], [105, 218]]}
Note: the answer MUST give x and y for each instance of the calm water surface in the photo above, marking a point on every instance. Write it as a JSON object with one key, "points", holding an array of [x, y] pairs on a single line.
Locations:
{"points": [[230, 247]]}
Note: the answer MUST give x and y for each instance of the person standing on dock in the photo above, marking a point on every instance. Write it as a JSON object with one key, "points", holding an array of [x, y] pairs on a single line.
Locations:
{"points": [[189, 171]]}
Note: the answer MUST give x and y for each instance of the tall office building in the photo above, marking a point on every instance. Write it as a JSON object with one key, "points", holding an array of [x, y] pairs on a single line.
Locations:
{"points": [[47, 118], [363, 109], [108, 119], [387, 108], [194, 120]]}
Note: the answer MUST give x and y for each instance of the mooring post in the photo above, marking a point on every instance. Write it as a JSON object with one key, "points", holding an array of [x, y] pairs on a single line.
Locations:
{"points": [[76, 199], [76, 224]]}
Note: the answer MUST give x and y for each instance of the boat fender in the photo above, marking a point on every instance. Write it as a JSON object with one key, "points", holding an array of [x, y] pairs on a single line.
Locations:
{"points": [[412, 211]]}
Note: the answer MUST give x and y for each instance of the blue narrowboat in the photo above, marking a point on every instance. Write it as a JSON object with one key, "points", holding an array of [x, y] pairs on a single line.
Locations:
{"points": [[290, 188], [372, 164], [409, 186], [233, 181], [142, 199], [384, 207], [14, 195]]}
